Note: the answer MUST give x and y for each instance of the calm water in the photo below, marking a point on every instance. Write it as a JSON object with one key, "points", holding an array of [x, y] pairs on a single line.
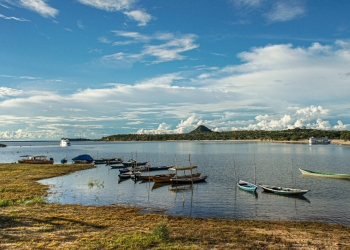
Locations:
{"points": [[328, 199]]}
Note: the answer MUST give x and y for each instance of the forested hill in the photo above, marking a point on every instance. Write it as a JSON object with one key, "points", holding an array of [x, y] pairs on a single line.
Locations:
{"points": [[203, 133]]}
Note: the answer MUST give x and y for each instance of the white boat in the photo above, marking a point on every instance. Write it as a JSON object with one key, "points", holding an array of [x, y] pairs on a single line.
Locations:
{"points": [[321, 140], [64, 142]]}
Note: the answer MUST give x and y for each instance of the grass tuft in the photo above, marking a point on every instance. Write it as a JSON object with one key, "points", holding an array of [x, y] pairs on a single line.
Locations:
{"points": [[161, 231]]}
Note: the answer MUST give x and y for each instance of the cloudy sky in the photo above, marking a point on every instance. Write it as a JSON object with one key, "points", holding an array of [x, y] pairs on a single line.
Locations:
{"points": [[91, 68]]}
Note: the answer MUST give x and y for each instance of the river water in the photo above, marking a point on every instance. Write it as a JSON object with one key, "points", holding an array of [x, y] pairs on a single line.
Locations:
{"points": [[275, 163]]}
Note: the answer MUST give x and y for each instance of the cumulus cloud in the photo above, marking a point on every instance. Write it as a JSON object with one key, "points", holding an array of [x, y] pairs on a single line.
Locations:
{"points": [[4, 91], [274, 87]]}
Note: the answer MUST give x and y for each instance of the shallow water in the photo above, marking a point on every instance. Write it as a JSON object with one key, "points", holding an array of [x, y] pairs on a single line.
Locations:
{"points": [[276, 164]]}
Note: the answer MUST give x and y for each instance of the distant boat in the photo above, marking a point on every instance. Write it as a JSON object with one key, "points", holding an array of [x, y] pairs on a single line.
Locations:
{"points": [[83, 159], [108, 161], [320, 140], [283, 190], [324, 174], [64, 142], [35, 159], [64, 160]]}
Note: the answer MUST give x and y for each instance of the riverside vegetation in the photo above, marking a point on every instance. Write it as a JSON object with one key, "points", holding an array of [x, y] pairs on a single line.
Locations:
{"points": [[28, 222], [203, 133]]}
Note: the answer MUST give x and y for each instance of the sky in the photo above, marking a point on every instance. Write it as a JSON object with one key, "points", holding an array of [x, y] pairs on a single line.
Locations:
{"points": [[93, 68]]}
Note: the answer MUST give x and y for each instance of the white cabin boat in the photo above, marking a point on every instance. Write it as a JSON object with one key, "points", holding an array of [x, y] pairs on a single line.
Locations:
{"points": [[321, 140], [64, 142]]}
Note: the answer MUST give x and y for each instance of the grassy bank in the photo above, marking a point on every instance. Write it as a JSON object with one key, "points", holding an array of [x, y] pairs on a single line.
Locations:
{"points": [[27, 222]]}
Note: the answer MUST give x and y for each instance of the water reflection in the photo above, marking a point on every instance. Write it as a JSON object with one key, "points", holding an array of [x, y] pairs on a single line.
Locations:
{"points": [[326, 201]]}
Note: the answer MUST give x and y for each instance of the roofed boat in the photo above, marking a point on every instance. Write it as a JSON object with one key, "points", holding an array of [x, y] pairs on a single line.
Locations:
{"points": [[324, 174], [35, 159], [85, 158]]}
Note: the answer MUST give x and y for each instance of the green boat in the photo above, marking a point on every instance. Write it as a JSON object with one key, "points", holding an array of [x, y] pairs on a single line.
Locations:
{"points": [[324, 174]]}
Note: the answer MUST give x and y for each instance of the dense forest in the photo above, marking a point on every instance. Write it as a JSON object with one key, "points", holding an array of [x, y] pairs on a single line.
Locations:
{"points": [[203, 133]]}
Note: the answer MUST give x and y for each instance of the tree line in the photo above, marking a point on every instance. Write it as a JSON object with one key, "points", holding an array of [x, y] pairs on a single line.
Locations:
{"points": [[278, 135]]}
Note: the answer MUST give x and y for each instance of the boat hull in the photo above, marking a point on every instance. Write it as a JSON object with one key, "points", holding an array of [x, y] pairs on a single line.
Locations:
{"points": [[283, 190], [167, 177], [246, 186], [324, 174], [189, 180]]}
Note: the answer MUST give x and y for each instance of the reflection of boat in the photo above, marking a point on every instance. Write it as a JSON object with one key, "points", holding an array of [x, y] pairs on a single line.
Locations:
{"points": [[296, 197], [64, 142], [246, 186], [159, 185], [83, 159], [35, 159], [175, 188], [283, 190], [324, 174]]}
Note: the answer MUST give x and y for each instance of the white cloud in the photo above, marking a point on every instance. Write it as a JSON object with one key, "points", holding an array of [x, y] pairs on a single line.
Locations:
{"points": [[39, 6], [171, 50], [4, 91], [109, 5], [14, 18], [140, 16], [285, 11]]}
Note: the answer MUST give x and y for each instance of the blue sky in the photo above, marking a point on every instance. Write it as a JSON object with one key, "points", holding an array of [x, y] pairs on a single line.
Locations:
{"points": [[91, 68]]}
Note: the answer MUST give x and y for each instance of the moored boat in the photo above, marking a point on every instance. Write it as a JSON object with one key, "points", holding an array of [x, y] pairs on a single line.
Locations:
{"points": [[83, 159], [246, 186], [283, 190], [324, 174], [35, 159], [188, 180], [133, 162]]}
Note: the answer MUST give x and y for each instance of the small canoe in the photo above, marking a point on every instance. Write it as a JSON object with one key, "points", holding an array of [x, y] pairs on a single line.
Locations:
{"points": [[324, 174], [246, 186], [283, 190]]}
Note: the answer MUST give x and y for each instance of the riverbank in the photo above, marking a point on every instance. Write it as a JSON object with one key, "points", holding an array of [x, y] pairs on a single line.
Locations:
{"points": [[27, 222]]}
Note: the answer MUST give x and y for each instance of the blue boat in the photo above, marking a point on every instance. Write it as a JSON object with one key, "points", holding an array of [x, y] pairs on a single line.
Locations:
{"points": [[83, 159], [246, 186]]}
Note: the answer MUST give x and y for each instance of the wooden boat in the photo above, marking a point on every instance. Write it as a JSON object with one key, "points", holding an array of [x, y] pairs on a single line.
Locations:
{"points": [[167, 177], [324, 174], [283, 190], [64, 160], [150, 177], [108, 161], [188, 180], [133, 162], [125, 175], [35, 159], [159, 168], [246, 186]]}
